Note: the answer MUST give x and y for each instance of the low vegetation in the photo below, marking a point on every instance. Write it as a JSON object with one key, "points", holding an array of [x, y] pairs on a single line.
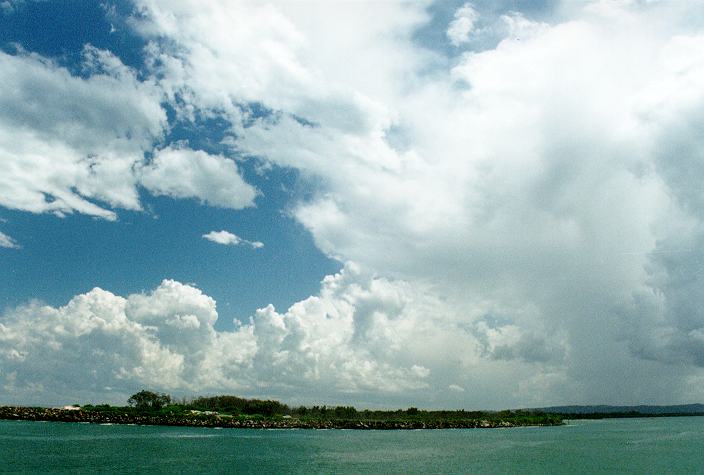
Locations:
{"points": [[153, 404], [147, 407]]}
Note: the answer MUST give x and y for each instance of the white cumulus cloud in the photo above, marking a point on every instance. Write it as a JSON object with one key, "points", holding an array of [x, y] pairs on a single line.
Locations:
{"points": [[185, 173], [7, 242], [68, 144], [77, 144], [227, 238], [361, 337], [462, 25]]}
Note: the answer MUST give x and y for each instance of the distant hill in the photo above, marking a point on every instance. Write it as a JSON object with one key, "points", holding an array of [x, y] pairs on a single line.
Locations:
{"points": [[604, 409]]}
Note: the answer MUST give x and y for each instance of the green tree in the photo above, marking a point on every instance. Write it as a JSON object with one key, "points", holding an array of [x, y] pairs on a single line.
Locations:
{"points": [[345, 412], [149, 400]]}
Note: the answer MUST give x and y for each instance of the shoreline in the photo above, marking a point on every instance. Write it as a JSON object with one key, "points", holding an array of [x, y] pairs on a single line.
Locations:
{"points": [[96, 417]]}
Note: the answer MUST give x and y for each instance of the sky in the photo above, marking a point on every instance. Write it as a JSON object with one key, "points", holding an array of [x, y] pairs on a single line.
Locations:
{"points": [[440, 204]]}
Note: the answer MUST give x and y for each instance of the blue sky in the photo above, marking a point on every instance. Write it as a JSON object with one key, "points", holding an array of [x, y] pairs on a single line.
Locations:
{"points": [[439, 204], [65, 256]]}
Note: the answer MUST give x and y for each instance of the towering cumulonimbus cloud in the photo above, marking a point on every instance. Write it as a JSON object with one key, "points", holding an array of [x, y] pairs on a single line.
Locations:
{"points": [[536, 174]]}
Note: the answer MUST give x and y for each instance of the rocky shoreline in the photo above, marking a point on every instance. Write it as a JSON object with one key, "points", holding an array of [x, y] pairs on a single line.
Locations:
{"points": [[200, 420]]}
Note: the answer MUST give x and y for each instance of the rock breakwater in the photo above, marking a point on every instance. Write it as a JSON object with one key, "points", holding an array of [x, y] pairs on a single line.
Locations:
{"points": [[201, 420]]}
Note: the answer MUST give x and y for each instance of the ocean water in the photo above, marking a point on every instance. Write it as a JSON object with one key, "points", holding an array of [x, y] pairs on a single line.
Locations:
{"points": [[658, 445]]}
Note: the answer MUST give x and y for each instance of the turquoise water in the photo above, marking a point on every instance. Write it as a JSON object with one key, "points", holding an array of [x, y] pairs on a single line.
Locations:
{"points": [[663, 445]]}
